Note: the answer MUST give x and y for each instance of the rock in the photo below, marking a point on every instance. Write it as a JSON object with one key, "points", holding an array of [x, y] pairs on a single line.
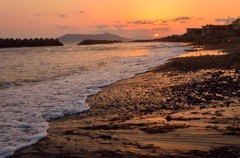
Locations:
{"points": [[176, 107], [202, 107], [168, 99], [105, 137], [168, 118], [164, 107], [227, 103]]}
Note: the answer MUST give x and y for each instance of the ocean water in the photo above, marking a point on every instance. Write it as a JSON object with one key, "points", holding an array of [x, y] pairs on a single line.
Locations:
{"points": [[44, 83]]}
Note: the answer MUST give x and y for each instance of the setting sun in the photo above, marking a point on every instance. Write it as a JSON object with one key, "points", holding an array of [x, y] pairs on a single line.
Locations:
{"points": [[156, 35]]}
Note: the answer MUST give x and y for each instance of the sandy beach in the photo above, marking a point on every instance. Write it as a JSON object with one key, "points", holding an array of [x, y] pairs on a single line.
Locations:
{"points": [[188, 107]]}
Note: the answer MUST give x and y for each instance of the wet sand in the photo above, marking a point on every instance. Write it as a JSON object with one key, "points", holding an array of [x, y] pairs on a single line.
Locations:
{"points": [[188, 107]]}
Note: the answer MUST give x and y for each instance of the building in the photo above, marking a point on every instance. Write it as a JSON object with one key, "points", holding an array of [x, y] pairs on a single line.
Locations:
{"points": [[236, 24], [215, 30], [194, 32]]}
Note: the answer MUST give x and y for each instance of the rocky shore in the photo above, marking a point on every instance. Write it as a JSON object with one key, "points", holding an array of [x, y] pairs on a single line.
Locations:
{"points": [[188, 107]]}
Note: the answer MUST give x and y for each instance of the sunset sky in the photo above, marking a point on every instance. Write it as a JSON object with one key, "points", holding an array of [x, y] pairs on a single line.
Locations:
{"points": [[135, 19]]}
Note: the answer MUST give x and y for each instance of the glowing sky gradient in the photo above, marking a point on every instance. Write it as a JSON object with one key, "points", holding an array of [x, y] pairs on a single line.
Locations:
{"points": [[135, 19]]}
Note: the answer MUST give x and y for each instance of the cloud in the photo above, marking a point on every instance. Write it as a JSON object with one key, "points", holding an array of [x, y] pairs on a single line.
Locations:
{"points": [[225, 20], [63, 15], [183, 22], [164, 22], [199, 18], [61, 27], [78, 11], [182, 18], [100, 27], [38, 14], [162, 29], [142, 22], [119, 26], [64, 27]]}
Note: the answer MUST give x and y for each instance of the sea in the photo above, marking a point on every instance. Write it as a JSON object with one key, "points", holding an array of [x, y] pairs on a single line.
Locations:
{"points": [[39, 84]]}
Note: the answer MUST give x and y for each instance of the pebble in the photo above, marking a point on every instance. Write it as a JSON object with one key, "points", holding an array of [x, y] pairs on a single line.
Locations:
{"points": [[202, 107], [168, 118]]}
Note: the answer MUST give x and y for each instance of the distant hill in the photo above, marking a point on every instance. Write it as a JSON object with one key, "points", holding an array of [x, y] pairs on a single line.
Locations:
{"points": [[76, 38]]}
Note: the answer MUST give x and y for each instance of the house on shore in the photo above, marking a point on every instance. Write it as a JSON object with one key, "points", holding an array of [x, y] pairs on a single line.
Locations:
{"points": [[215, 30], [236, 25], [194, 32]]}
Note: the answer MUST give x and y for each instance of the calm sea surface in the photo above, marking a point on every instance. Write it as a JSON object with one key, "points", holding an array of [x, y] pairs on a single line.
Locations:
{"points": [[44, 83]]}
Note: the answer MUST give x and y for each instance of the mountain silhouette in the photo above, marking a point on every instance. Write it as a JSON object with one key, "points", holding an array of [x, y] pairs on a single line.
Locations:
{"points": [[76, 38]]}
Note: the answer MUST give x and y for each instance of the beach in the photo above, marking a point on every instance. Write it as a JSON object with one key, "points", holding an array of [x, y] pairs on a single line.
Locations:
{"points": [[187, 107]]}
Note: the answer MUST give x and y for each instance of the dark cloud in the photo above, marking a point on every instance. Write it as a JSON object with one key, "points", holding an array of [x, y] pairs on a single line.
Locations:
{"points": [[162, 29], [61, 27], [226, 20], [182, 18], [142, 22], [64, 27], [199, 18], [220, 20], [164, 22], [63, 15], [183, 22], [78, 11], [100, 27], [119, 26], [38, 14]]}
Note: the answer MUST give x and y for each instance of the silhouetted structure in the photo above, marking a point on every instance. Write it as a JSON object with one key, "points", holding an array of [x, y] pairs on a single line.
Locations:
{"points": [[36, 42], [211, 31], [91, 41], [194, 32], [207, 34]]}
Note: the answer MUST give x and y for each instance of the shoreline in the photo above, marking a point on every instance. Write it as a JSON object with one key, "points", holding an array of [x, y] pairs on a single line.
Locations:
{"points": [[128, 118]]}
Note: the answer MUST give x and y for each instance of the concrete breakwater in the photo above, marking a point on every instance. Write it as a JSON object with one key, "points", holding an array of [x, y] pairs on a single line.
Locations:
{"points": [[36, 42]]}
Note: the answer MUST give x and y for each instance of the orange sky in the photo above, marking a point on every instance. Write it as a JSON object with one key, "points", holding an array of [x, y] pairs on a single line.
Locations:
{"points": [[136, 19]]}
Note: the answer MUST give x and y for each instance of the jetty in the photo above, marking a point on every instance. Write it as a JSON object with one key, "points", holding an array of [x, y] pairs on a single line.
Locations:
{"points": [[36, 42]]}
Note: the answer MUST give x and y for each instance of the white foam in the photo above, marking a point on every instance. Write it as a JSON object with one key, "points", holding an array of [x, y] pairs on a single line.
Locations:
{"points": [[201, 53], [26, 109]]}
